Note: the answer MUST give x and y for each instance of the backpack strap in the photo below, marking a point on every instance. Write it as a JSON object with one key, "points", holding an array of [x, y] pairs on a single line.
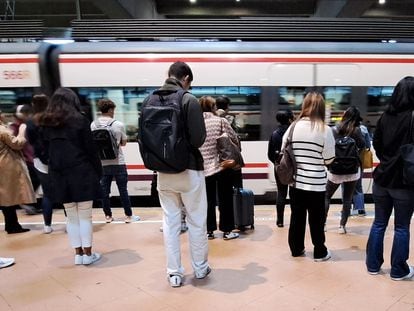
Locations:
{"points": [[99, 125]]}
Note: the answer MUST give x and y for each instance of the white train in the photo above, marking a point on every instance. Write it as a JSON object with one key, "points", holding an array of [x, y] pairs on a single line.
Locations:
{"points": [[259, 77]]}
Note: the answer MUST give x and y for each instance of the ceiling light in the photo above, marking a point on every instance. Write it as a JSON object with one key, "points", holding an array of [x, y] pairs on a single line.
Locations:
{"points": [[381, 1], [193, 1]]}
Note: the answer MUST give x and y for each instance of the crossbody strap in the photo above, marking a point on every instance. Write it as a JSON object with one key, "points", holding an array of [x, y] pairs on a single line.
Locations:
{"points": [[290, 135]]}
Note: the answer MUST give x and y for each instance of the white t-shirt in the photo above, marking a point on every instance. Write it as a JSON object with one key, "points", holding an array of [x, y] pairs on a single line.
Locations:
{"points": [[313, 149], [119, 132]]}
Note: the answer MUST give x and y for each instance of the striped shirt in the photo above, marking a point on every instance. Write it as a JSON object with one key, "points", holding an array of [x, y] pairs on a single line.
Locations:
{"points": [[313, 149]]}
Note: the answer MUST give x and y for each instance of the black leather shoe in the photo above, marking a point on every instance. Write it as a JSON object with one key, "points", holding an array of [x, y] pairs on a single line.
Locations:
{"points": [[20, 230]]}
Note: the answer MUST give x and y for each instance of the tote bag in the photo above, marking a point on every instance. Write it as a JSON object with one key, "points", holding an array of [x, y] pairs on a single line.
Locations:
{"points": [[228, 152], [366, 158]]}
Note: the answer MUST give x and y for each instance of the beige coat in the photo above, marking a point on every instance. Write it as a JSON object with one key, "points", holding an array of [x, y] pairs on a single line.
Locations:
{"points": [[15, 185]]}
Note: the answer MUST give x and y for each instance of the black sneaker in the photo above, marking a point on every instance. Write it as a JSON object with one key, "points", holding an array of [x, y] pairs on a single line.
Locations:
{"points": [[210, 235], [362, 213]]}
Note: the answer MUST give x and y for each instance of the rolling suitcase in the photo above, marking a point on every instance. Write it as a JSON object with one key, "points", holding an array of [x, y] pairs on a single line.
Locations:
{"points": [[243, 206]]}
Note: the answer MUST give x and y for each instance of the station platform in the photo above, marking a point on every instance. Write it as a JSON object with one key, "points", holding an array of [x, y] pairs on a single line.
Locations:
{"points": [[254, 272]]}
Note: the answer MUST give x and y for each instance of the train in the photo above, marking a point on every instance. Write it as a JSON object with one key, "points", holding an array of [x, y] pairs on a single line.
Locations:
{"points": [[260, 78]]}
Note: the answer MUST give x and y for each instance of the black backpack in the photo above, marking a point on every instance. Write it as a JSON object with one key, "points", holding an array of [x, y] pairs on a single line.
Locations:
{"points": [[162, 135], [105, 141], [346, 157]]}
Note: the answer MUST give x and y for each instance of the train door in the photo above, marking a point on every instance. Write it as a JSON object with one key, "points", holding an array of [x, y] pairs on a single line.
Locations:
{"points": [[281, 77]]}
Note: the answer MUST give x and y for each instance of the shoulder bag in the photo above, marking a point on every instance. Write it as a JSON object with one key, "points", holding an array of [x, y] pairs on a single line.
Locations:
{"points": [[228, 152], [286, 166]]}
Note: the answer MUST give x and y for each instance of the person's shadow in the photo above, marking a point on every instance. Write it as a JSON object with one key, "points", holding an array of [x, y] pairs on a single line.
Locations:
{"points": [[118, 257], [232, 280]]}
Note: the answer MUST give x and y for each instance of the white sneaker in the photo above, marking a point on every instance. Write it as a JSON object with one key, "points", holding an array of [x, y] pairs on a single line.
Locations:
{"points": [[327, 257], [342, 230], [405, 277], [5, 262], [78, 260], [109, 219], [175, 280], [230, 235], [47, 229], [132, 218], [204, 274], [88, 260]]}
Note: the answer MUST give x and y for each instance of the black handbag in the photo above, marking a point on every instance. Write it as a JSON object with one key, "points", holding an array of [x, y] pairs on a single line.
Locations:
{"points": [[407, 156], [285, 166], [228, 152]]}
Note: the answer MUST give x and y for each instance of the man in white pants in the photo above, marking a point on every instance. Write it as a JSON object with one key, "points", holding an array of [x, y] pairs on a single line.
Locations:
{"points": [[186, 189]]}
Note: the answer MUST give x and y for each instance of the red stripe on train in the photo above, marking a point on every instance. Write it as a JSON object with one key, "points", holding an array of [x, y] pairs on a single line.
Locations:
{"points": [[148, 177], [248, 165], [234, 60], [18, 60]]}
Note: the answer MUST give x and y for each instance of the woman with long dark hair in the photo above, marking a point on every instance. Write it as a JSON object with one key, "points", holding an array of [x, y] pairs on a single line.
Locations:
{"points": [[389, 190], [348, 127], [74, 169], [41, 158]]}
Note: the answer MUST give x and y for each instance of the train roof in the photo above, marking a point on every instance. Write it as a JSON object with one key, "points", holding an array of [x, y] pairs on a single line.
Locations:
{"points": [[239, 47]]}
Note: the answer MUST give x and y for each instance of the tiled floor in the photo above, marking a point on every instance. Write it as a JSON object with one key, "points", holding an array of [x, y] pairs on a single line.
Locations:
{"points": [[255, 272]]}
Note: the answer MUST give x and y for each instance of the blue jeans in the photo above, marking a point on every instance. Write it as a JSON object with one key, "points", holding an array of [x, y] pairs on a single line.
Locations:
{"points": [[47, 205], [358, 197], [401, 200], [348, 191], [120, 174]]}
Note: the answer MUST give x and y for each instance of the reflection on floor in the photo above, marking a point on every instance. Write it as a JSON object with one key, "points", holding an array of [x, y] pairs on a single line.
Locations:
{"points": [[254, 272]]}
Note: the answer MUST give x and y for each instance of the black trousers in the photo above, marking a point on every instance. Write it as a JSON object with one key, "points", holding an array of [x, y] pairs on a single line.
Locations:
{"points": [[10, 218], [305, 203], [282, 191], [220, 186]]}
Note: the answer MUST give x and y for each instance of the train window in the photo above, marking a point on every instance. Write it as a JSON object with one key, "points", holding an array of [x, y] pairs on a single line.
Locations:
{"points": [[291, 97], [378, 98], [339, 97], [244, 106], [10, 98]]}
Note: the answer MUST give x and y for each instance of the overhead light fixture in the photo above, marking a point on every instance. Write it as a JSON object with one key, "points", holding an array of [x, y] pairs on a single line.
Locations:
{"points": [[381, 1], [237, 0], [193, 1]]}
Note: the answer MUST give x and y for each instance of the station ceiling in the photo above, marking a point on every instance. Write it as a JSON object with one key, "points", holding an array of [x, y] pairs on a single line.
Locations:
{"points": [[59, 13]]}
